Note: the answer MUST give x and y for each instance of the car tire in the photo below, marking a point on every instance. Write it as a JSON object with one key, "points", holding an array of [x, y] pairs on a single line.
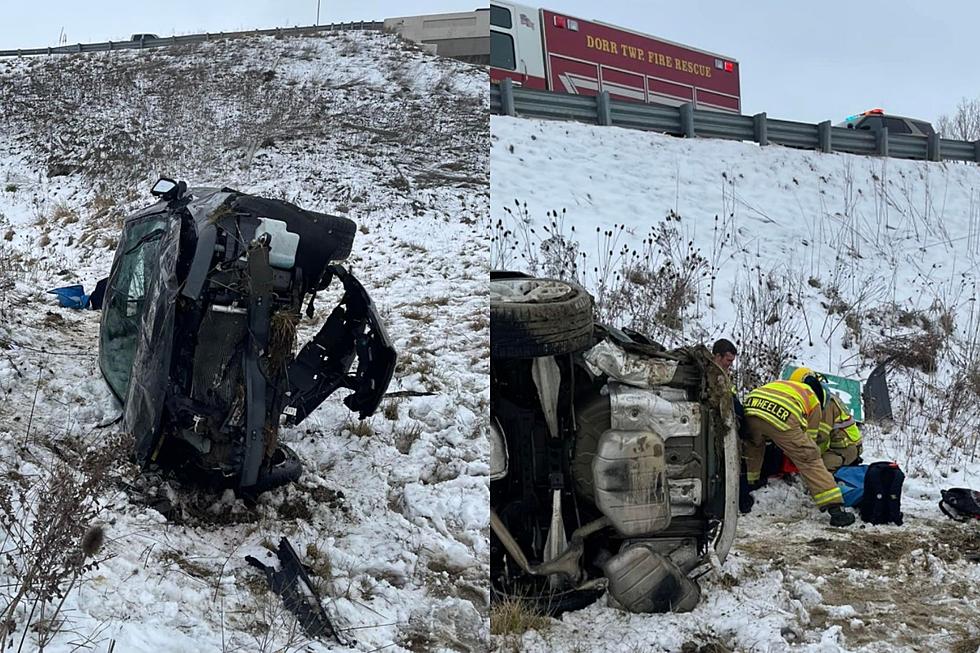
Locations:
{"points": [[531, 317], [341, 231]]}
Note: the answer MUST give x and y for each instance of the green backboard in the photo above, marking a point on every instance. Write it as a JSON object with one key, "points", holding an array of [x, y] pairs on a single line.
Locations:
{"points": [[848, 390]]}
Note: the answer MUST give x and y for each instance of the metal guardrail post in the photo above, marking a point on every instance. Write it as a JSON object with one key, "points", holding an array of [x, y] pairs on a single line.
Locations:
{"points": [[760, 128], [881, 141], [932, 147], [604, 108], [687, 119], [507, 97], [823, 135]]}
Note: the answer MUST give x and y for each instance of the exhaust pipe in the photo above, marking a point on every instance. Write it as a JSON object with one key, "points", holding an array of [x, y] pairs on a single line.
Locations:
{"points": [[567, 564]]}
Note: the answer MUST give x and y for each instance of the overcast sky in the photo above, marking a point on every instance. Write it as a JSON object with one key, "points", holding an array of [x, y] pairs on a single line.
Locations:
{"points": [[33, 23], [802, 61], [815, 61]]}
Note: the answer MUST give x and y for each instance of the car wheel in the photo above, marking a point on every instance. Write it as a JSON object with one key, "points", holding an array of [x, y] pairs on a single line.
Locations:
{"points": [[342, 232], [538, 317]]}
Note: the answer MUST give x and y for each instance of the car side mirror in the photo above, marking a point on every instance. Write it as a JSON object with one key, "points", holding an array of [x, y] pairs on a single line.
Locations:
{"points": [[168, 189]]}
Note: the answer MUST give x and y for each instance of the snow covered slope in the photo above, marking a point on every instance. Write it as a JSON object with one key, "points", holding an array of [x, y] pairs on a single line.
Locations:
{"points": [[834, 261], [391, 514]]}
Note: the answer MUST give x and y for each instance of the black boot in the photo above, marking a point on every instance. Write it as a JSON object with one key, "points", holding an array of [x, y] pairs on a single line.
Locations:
{"points": [[840, 517]]}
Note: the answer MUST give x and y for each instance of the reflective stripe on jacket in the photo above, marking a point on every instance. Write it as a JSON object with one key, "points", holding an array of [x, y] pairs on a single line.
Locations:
{"points": [[777, 401], [844, 432]]}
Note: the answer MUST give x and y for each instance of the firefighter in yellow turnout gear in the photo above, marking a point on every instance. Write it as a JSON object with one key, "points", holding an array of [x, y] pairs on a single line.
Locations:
{"points": [[838, 436], [790, 413], [839, 439]]}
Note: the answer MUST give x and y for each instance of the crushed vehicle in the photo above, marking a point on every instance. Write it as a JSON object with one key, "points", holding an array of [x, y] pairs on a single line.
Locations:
{"points": [[199, 329], [614, 463]]}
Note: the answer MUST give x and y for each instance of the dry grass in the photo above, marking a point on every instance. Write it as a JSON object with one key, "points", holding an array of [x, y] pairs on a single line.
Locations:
{"points": [[49, 532], [417, 362], [319, 562], [185, 564], [361, 428], [418, 315], [406, 436], [282, 338], [64, 214], [390, 409], [917, 351], [515, 617], [967, 645]]}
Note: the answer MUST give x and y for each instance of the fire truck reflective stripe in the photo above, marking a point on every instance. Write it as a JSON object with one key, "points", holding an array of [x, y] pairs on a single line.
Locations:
{"points": [[623, 90], [573, 83]]}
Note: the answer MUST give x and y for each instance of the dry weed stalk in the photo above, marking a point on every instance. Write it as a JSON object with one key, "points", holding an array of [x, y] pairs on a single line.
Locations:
{"points": [[51, 538]]}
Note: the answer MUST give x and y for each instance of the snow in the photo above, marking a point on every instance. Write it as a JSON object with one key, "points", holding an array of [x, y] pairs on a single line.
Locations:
{"points": [[391, 514], [883, 233]]}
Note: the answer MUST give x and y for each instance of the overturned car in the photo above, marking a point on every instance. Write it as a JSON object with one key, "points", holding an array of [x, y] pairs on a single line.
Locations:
{"points": [[198, 332], [614, 463]]}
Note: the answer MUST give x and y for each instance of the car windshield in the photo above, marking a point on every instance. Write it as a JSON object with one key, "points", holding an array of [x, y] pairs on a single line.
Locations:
{"points": [[125, 299]]}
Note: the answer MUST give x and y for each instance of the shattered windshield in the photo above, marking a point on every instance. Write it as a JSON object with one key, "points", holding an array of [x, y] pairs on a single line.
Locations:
{"points": [[125, 299]]}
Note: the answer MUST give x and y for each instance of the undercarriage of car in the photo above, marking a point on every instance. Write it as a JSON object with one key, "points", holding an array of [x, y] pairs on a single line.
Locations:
{"points": [[614, 462]]}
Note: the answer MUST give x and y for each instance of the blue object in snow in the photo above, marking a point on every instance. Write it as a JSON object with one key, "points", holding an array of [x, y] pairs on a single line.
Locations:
{"points": [[71, 296], [850, 480]]}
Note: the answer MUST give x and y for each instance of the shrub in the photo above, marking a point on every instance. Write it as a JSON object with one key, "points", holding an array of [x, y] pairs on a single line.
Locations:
{"points": [[771, 323], [51, 534]]}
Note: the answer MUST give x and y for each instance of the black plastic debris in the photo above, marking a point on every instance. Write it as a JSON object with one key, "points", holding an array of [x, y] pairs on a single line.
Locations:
{"points": [[292, 583]]}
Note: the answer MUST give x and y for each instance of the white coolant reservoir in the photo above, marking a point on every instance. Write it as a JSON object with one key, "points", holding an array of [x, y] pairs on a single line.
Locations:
{"points": [[630, 473], [283, 243]]}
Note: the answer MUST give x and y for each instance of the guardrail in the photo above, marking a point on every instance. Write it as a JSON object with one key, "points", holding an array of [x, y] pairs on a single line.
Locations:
{"points": [[190, 38], [685, 120]]}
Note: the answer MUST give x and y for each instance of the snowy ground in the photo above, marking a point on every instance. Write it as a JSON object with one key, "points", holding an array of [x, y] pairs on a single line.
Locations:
{"points": [[863, 238], [391, 513]]}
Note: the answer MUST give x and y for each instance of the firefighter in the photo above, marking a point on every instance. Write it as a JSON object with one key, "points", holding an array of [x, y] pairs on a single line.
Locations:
{"points": [[838, 437], [789, 413], [845, 438]]}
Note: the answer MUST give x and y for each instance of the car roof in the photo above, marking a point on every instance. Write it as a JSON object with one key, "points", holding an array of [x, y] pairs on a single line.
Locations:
{"points": [[879, 113]]}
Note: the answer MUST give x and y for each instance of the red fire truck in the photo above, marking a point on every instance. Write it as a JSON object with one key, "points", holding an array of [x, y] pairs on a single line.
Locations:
{"points": [[538, 48]]}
